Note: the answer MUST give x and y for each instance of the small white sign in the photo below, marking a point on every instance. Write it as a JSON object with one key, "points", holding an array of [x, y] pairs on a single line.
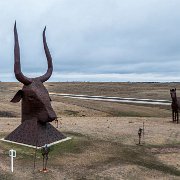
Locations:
{"points": [[12, 154]]}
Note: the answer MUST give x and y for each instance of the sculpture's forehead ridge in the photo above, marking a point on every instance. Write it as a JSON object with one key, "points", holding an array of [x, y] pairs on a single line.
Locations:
{"points": [[36, 86]]}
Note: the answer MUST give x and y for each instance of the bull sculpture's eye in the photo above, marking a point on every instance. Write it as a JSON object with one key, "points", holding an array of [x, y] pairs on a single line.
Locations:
{"points": [[31, 98]]}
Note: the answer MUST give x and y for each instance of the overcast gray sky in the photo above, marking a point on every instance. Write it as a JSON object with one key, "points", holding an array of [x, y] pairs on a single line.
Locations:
{"points": [[93, 40]]}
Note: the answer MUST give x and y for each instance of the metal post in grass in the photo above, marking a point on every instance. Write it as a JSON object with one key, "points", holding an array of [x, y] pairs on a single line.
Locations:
{"points": [[35, 153], [143, 129], [56, 122], [139, 134], [12, 154]]}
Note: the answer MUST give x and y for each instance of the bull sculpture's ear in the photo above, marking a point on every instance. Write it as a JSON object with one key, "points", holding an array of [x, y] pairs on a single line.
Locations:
{"points": [[17, 96], [50, 98]]}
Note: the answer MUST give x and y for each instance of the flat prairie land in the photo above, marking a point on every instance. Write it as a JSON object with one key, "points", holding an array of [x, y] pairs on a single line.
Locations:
{"points": [[104, 142]]}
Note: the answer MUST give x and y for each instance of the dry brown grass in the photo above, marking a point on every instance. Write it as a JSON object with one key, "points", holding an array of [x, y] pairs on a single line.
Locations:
{"points": [[104, 135], [137, 90]]}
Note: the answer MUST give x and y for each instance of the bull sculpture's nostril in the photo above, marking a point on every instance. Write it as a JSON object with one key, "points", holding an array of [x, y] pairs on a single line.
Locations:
{"points": [[52, 118], [51, 114]]}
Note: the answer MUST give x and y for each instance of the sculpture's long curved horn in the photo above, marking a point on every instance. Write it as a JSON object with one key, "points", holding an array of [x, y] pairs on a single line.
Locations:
{"points": [[48, 74], [17, 65]]}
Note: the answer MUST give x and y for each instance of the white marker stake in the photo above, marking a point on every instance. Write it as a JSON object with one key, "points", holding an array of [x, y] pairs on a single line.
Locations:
{"points": [[12, 154]]}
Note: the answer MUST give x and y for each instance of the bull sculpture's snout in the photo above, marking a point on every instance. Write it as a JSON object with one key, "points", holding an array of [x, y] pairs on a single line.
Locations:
{"points": [[35, 98]]}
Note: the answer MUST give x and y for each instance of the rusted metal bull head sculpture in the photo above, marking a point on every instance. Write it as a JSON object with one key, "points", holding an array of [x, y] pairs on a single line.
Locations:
{"points": [[37, 112], [35, 98]]}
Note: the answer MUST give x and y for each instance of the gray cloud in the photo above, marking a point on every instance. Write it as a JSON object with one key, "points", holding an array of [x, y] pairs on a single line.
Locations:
{"points": [[93, 40]]}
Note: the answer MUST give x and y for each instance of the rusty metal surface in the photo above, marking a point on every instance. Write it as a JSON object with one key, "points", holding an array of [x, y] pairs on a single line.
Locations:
{"points": [[175, 105], [37, 111], [35, 134]]}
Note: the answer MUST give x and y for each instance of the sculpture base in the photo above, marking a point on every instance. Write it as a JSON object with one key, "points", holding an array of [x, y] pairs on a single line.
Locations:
{"points": [[34, 134], [38, 147]]}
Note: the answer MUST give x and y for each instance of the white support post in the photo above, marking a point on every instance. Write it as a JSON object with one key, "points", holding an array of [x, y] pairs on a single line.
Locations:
{"points": [[12, 154]]}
